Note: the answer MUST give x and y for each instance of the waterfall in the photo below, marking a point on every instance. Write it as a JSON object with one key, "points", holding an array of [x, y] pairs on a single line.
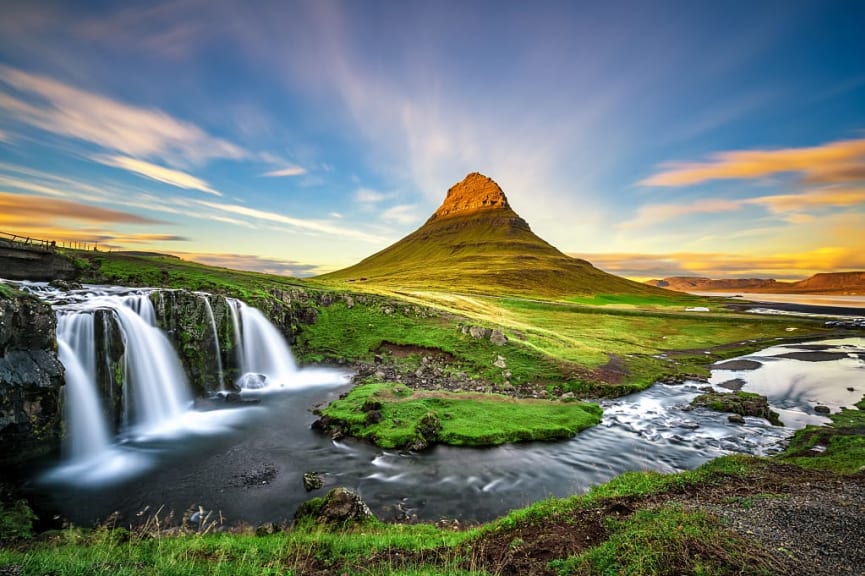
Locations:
{"points": [[152, 370], [215, 341], [154, 391], [262, 350], [234, 308], [85, 422]]}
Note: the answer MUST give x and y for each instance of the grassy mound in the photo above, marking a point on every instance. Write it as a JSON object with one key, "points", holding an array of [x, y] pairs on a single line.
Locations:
{"points": [[392, 416]]}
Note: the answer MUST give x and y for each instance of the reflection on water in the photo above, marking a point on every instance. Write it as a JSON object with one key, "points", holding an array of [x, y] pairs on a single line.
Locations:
{"points": [[797, 377], [226, 468]]}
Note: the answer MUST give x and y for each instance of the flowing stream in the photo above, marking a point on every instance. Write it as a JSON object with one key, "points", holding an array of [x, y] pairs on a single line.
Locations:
{"points": [[247, 461]]}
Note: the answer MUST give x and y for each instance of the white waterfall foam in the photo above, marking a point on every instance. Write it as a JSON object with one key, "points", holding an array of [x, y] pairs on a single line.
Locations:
{"points": [[234, 308], [85, 422], [264, 350], [153, 372], [216, 350]]}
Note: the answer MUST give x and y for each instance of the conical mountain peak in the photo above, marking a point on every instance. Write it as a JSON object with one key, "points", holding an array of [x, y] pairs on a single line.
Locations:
{"points": [[474, 193], [475, 242]]}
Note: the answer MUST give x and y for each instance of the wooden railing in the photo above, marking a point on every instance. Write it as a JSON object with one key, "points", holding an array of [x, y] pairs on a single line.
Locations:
{"points": [[27, 243]]}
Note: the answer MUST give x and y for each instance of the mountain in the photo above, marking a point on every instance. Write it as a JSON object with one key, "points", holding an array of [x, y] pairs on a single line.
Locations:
{"points": [[832, 283], [475, 242], [700, 284], [839, 283]]}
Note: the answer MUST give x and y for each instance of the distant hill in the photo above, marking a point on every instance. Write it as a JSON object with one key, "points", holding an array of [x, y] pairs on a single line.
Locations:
{"points": [[839, 283], [700, 284], [832, 283], [475, 242]]}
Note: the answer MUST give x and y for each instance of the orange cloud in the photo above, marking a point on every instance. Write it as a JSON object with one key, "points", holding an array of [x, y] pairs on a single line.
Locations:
{"points": [[640, 266], [18, 207], [840, 161], [839, 197]]}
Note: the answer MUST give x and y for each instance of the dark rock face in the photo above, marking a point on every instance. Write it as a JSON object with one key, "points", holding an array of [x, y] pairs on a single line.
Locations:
{"points": [[21, 264], [184, 316], [31, 380], [339, 506]]}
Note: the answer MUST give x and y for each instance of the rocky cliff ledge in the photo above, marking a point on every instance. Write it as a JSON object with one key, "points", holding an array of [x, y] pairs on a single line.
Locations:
{"points": [[31, 379]]}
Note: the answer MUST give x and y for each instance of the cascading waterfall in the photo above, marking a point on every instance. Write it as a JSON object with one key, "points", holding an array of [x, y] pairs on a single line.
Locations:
{"points": [[124, 377], [152, 369], [88, 431], [217, 351], [262, 350]]}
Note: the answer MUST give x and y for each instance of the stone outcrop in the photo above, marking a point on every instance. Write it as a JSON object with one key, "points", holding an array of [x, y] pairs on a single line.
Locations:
{"points": [[184, 316], [741, 403], [339, 506], [31, 379], [474, 193], [24, 263]]}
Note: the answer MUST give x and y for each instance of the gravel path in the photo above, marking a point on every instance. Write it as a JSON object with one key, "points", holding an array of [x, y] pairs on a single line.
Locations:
{"points": [[817, 528]]}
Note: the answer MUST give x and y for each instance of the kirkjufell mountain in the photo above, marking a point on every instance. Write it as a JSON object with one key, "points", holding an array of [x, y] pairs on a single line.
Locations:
{"points": [[475, 242]]}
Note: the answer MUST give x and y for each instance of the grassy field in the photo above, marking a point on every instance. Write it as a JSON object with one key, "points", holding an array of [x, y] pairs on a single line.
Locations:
{"points": [[585, 343]]}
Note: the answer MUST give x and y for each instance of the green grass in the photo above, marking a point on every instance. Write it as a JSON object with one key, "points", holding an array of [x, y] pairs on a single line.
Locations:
{"points": [[668, 541], [456, 419], [843, 440], [170, 272], [7, 291], [120, 552], [639, 300], [357, 333]]}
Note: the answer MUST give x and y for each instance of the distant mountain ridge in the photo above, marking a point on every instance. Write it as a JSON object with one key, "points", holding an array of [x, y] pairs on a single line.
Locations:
{"points": [[838, 283], [475, 242]]}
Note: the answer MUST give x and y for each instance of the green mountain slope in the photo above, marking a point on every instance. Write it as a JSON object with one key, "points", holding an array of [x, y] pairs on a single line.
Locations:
{"points": [[475, 242]]}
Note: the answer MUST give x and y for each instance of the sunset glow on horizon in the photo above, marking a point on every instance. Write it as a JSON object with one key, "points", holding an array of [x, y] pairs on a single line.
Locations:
{"points": [[651, 138]]}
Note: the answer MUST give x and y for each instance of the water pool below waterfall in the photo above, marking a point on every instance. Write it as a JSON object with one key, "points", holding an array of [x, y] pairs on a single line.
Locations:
{"points": [[248, 462]]}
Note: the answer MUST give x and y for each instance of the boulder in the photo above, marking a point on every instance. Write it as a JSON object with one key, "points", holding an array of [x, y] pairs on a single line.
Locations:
{"points": [[498, 338], [312, 481], [340, 506], [742, 403]]}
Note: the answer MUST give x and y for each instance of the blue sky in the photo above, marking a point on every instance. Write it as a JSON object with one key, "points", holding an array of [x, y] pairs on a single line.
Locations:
{"points": [[653, 138]]}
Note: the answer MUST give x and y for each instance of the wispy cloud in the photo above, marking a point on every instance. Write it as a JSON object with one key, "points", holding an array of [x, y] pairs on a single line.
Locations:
{"points": [[839, 161], [652, 214], [369, 196], [299, 223], [20, 207], [789, 206], [158, 173], [826, 197], [68, 111], [290, 171], [401, 214], [253, 262]]}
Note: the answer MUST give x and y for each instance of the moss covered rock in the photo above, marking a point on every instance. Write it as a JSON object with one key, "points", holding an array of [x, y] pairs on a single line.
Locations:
{"points": [[742, 403]]}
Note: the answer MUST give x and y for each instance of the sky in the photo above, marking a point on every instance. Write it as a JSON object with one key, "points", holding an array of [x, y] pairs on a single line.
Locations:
{"points": [[721, 139]]}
